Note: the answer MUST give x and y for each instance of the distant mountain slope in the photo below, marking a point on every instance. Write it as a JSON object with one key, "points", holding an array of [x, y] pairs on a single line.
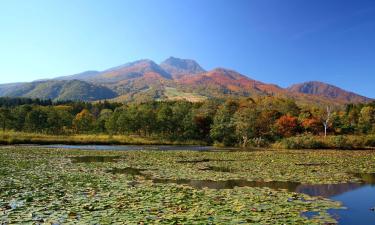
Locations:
{"points": [[80, 76], [228, 82], [6, 88], [62, 90], [179, 67], [132, 70], [328, 91]]}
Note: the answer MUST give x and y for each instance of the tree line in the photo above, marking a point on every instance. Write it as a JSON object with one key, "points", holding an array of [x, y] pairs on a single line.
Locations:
{"points": [[231, 122]]}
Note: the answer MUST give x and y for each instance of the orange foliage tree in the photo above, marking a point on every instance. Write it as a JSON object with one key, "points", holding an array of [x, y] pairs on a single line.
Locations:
{"points": [[287, 125]]}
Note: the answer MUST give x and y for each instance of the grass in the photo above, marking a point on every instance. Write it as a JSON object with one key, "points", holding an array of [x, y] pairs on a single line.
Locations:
{"points": [[11, 137], [174, 94], [349, 142], [46, 186]]}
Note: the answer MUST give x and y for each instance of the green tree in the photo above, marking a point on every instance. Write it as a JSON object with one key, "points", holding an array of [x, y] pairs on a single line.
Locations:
{"points": [[5, 117], [246, 124], [103, 118], [223, 127], [37, 120]]}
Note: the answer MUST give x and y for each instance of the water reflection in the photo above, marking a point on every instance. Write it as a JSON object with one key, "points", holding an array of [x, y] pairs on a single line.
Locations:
{"points": [[327, 190]]}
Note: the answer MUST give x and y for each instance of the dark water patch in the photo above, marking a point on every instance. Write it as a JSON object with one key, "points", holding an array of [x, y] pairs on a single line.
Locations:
{"points": [[206, 160], [312, 164], [367, 178], [310, 214], [218, 169], [94, 159], [228, 184], [194, 161], [127, 170]]}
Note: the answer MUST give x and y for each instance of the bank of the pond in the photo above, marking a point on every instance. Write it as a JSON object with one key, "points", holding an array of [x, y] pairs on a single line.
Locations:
{"points": [[12, 138], [344, 142]]}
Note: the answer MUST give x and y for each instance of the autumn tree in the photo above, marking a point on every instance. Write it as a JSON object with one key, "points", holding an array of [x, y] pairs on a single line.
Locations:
{"points": [[287, 125], [84, 121], [366, 121]]}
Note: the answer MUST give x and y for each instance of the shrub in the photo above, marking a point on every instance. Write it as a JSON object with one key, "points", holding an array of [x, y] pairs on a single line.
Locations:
{"points": [[331, 142], [337, 142], [370, 141], [300, 142], [258, 142]]}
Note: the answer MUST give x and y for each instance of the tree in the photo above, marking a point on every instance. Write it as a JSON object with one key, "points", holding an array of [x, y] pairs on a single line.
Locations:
{"points": [[111, 124], [311, 125], [366, 119], [246, 124], [223, 128], [164, 122], [325, 117], [103, 118], [19, 116], [84, 121], [37, 120], [287, 125], [5, 117]]}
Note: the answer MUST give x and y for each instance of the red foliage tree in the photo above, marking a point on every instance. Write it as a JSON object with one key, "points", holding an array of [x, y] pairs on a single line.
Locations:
{"points": [[287, 125]]}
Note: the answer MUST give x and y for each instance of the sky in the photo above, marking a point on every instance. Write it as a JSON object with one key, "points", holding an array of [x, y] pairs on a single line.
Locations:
{"points": [[274, 41]]}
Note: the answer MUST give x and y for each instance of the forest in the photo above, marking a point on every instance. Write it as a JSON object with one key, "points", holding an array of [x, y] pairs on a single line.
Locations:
{"points": [[242, 122]]}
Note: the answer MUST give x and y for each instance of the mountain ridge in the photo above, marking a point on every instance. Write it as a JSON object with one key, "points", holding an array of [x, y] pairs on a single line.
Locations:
{"points": [[173, 78]]}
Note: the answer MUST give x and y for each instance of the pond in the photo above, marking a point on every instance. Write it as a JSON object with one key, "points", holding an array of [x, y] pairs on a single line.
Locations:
{"points": [[61, 184]]}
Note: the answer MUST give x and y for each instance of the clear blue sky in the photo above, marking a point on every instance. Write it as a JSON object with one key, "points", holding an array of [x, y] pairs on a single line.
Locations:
{"points": [[275, 41]]}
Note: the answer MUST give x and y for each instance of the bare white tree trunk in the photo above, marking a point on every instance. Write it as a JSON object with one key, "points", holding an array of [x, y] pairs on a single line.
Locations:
{"points": [[326, 120]]}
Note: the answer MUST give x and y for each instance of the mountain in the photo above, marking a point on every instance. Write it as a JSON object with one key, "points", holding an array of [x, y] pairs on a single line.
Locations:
{"points": [[61, 90], [173, 79], [325, 90], [179, 67]]}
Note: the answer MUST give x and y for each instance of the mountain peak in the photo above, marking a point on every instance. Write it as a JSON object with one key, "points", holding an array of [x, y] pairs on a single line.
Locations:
{"points": [[178, 67], [132, 70]]}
